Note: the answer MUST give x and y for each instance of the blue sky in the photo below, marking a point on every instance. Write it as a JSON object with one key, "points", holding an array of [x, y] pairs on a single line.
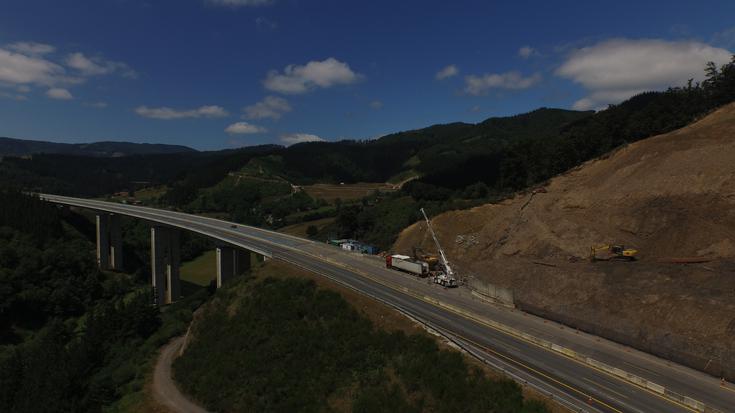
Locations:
{"points": [[215, 74]]}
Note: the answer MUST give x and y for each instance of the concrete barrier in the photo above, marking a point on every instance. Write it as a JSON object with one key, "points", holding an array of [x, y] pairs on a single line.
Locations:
{"points": [[497, 294], [617, 372]]}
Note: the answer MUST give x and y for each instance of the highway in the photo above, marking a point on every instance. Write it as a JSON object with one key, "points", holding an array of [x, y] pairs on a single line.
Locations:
{"points": [[472, 324]]}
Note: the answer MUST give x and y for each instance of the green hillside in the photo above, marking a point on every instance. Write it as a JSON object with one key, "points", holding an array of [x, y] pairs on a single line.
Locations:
{"points": [[282, 345]]}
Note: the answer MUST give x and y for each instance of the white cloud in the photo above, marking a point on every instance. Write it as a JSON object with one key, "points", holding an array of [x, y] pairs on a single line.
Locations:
{"points": [[315, 74], [240, 3], [20, 69], [166, 113], [59, 93], [270, 107], [527, 51], [448, 71], [86, 66], [244, 128], [26, 64], [294, 138], [480, 85], [31, 48], [376, 104], [617, 69], [93, 66]]}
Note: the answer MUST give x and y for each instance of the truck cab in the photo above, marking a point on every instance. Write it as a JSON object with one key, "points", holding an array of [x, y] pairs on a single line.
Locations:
{"points": [[441, 278]]}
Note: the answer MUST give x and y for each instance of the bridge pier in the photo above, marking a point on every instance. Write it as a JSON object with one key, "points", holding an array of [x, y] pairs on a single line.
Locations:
{"points": [[116, 250], [165, 262], [109, 242], [231, 262], [103, 241]]}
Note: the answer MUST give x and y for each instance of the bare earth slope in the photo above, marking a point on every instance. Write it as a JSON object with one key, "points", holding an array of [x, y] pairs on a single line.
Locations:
{"points": [[668, 196]]}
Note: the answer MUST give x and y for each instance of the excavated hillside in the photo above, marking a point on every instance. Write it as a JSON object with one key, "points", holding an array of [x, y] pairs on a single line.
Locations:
{"points": [[669, 196]]}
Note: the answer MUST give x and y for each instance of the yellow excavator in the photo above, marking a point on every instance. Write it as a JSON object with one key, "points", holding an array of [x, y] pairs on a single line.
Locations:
{"points": [[421, 255], [612, 252]]}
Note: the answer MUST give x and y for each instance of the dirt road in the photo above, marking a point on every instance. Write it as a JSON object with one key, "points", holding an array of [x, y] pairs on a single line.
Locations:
{"points": [[164, 387]]}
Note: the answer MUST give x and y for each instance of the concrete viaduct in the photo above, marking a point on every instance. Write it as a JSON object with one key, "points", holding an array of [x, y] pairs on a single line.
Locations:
{"points": [[581, 371], [232, 260]]}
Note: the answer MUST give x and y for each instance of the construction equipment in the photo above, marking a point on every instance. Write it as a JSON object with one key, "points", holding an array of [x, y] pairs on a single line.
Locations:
{"points": [[446, 277], [612, 252], [421, 255]]}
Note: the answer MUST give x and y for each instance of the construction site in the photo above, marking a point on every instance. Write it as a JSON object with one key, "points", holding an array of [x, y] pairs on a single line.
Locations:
{"points": [[637, 246]]}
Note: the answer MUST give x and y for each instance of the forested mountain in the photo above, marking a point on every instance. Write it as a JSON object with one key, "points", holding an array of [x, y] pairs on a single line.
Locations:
{"points": [[417, 151], [95, 176], [410, 153], [23, 147]]}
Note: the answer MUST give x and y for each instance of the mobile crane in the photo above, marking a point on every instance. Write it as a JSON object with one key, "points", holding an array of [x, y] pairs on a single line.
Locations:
{"points": [[445, 277]]}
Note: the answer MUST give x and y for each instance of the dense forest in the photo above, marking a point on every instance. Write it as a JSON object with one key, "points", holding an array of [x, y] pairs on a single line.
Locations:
{"points": [[282, 344], [72, 338]]}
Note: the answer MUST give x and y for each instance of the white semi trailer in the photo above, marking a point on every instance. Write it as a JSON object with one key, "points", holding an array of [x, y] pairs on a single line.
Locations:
{"points": [[405, 263]]}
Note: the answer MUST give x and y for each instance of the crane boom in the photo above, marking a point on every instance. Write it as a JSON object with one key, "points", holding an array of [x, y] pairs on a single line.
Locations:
{"points": [[443, 256]]}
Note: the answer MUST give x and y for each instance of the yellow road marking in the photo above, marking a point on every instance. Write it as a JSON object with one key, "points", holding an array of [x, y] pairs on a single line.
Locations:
{"points": [[607, 388], [477, 320], [540, 373]]}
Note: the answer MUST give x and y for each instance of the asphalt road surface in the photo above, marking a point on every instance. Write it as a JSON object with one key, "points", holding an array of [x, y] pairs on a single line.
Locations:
{"points": [[579, 386]]}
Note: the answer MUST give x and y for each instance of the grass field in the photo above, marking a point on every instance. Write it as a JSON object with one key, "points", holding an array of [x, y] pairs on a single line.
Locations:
{"points": [[201, 270], [347, 192], [300, 229], [150, 194], [325, 210]]}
